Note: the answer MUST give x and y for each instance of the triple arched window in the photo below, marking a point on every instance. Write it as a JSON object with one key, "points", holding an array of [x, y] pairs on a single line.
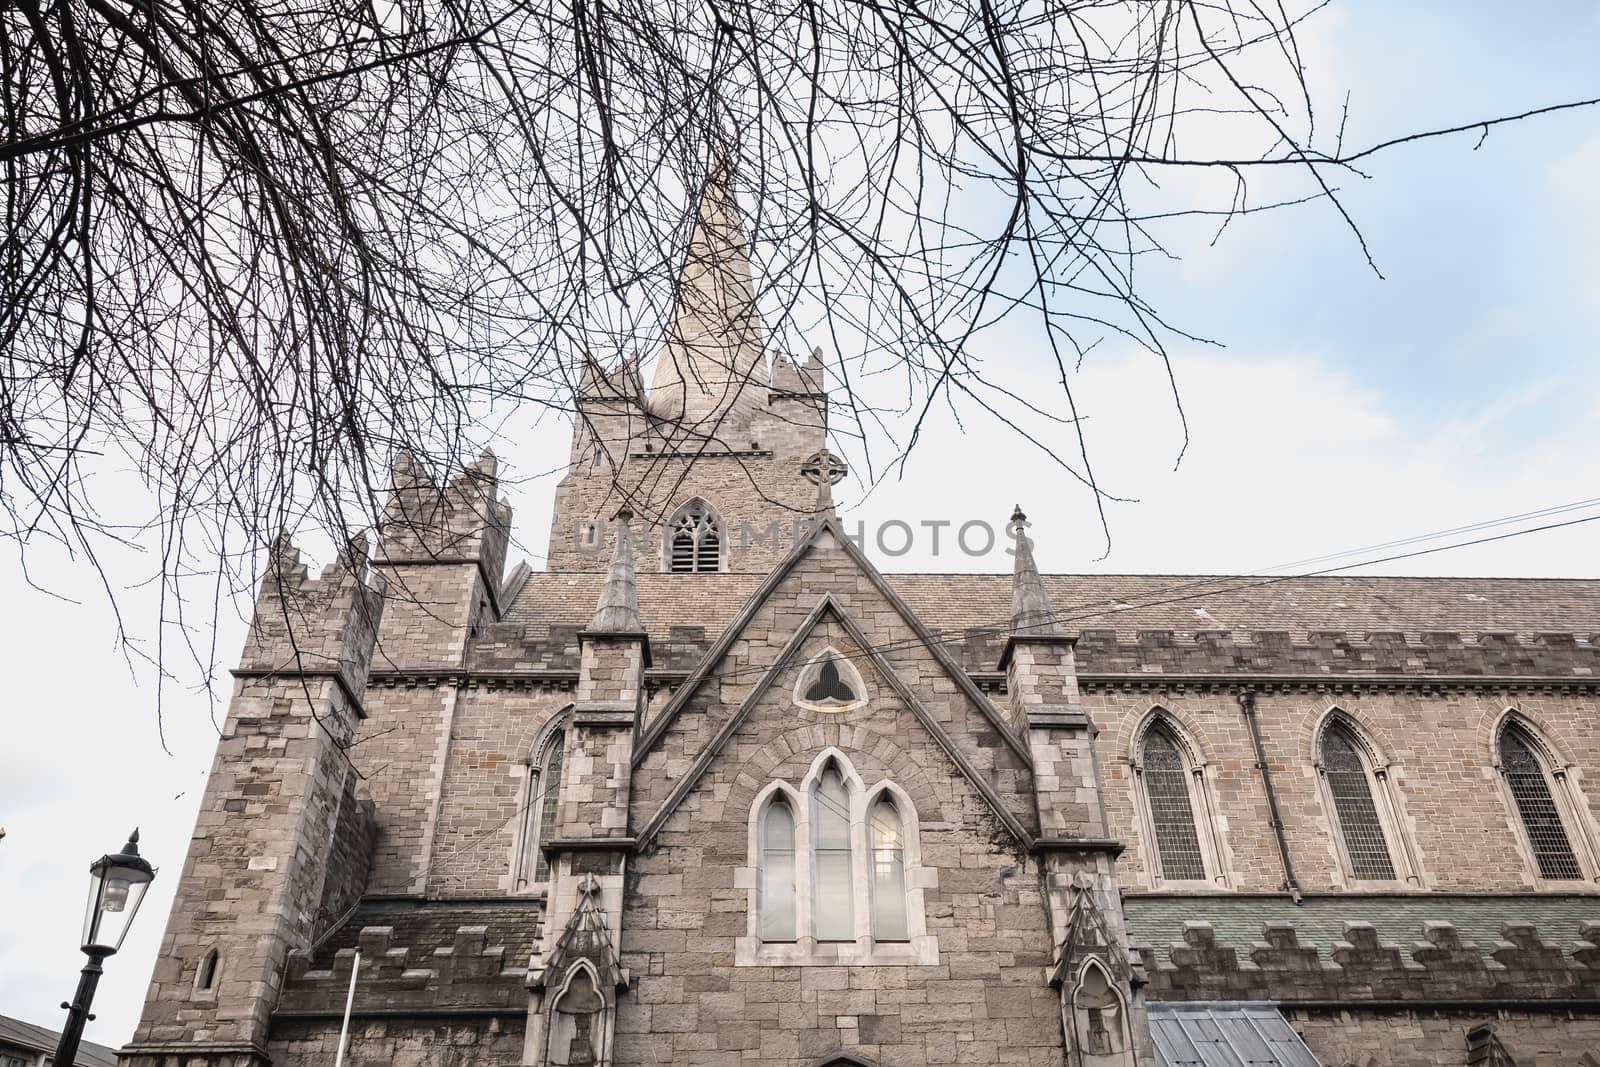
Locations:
{"points": [[541, 797], [694, 540], [835, 870], [1539, 793], [1176, 807]]}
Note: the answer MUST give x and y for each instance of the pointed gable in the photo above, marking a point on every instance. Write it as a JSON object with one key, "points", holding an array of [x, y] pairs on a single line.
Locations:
{"points": [[827, 584], [587, 936]]}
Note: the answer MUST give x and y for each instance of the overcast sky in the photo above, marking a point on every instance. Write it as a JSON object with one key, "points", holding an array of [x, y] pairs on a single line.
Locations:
{"points": [[1343, 411]]}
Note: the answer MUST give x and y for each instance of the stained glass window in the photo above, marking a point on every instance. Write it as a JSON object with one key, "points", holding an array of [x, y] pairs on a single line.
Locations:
{"points": [[1350, 785], [1537, 807], [1166, 788]]}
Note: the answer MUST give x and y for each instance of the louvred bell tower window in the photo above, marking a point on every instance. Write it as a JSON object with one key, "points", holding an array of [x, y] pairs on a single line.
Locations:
{"points": [[694, 540]]}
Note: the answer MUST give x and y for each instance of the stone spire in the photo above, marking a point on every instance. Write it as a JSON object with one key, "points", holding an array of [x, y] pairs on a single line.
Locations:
{"points": [[1031, 613], [713, 365], [618, 611]]}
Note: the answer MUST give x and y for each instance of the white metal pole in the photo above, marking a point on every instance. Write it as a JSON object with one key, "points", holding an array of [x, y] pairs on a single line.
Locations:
{"points": [[349, 1002]]}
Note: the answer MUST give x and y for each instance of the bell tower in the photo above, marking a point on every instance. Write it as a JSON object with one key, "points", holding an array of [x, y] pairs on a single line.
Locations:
{"points": [[711, 457]]}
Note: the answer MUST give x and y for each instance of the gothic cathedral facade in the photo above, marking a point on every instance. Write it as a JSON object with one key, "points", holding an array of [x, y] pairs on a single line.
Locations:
{"points": [[710, 790]]}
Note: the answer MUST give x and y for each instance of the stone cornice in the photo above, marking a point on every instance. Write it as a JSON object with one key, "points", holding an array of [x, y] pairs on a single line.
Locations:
{"points": [[302, 672]]}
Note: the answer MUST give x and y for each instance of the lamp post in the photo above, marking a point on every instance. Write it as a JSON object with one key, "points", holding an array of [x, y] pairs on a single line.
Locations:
{"points": [[117, 882]]}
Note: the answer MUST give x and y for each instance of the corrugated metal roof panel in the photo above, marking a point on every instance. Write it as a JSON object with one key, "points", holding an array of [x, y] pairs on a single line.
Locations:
{"points": [[1225, 1034]]}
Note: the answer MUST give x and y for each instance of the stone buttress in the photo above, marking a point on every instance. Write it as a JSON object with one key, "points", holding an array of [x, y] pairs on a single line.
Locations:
{"points": [[281, 847], [1103, 1016], [575, 983]]}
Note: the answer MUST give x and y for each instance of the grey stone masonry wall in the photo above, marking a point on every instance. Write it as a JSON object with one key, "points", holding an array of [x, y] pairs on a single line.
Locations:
{"points": [[442, 548], [349, 855], [746, 465], [1438, 751], [481, 807], [258, 870], [1425, 1037], [469, 974], [463, 519], [982, 997], [494, 1041]]}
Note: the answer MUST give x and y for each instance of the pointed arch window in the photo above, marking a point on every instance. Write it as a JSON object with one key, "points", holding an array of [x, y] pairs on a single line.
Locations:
{"points": [[888, 872], [1167, 790], [777, 891], [831, 848], [541, 800], [1349, 781], [1537, 806], [1182, 838], [694, 540], [205, 976]]}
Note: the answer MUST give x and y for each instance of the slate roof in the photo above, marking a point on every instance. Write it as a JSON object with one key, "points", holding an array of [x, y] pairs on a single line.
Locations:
{"points": [[1225, 1034], [420, 926], [1133, 623], [19, 1034], [1127, 603], [1319, 921]]}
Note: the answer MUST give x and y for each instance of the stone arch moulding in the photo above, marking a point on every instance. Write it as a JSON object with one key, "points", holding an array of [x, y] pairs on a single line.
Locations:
{"points": [[1098, 1018], [580, 1019], [1545, 739], [829, 682], [1369, 739], [1186, 729], [1571, 805], [1385, 796], [842, 1059], [1204, 806], [525, 844]]}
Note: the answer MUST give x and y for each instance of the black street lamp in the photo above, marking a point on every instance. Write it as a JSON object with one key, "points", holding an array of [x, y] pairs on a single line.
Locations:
{"points": [[116, 887]]}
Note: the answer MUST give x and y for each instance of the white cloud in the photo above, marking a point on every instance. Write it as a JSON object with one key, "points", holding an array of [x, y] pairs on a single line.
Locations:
{"points": [[1288, 458]]}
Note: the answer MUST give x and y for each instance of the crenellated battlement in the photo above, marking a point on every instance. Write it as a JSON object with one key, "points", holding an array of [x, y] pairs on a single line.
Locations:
{"points": [[1361, 967], [1319, 652], [798, 375], [467, 973], [326, 623], [463, 519]]}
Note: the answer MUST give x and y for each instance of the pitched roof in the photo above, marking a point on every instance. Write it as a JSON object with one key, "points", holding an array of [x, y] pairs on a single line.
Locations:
{"points": [[1135, 624], [1226, 1034], [1127, 603], [16, 1033]]}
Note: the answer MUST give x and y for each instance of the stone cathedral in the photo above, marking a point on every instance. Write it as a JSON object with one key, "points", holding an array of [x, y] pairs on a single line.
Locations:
{"points": [[709, 789]]}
